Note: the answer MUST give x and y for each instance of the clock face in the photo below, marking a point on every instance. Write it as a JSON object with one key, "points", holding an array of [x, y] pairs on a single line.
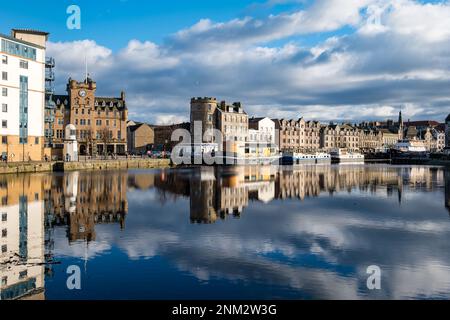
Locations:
{"points": [[82, 93]]}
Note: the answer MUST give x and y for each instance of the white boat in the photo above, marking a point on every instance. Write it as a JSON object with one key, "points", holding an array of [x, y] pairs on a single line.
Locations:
{"points": [[292, 158], [410, 146], [323, 157], [345, 156]]}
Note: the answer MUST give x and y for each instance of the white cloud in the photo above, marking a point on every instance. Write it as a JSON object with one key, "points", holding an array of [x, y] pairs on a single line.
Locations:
{"points": [[396, 57]]}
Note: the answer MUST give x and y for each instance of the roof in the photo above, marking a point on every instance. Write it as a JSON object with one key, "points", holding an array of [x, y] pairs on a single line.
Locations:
{"points": [[31, 31], [424, 123], [99, 101], [137, 126], [21, 41]]}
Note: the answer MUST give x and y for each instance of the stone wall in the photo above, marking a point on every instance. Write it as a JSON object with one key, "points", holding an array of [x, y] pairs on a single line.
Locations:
{"points": [[12, 168]]}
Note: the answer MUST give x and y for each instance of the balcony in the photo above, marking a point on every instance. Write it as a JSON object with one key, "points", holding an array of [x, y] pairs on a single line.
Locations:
{"points": [[49, 62], [49, 75]]}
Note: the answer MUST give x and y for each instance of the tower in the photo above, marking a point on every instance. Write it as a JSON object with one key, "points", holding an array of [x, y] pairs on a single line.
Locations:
{"points": [[401, 126], [447, 131], [203, 111]]}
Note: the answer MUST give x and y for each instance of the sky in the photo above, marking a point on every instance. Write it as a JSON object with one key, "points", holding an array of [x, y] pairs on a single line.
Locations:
{"points": [[327, 60]]}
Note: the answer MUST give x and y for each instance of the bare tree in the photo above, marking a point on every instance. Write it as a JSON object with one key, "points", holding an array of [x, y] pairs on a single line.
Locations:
{"points": [[106, 138]]}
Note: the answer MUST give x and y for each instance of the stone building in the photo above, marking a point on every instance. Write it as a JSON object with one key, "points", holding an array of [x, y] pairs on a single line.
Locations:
{"points": [[298, 135], [230, 119], [390, 137], [343, 136], [140, 138], [447, 132], [163, 135], [101, 122], [371, 140]]}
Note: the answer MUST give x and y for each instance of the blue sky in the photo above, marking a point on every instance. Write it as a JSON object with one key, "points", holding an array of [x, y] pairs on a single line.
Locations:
{"points": [[319, 59]]}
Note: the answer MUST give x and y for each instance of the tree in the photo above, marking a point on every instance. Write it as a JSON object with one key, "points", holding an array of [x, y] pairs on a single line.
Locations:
{"points": [[106, 138]]}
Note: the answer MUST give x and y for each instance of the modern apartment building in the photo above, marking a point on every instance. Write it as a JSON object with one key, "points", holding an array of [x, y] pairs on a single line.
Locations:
{"points": [[22, 97]]}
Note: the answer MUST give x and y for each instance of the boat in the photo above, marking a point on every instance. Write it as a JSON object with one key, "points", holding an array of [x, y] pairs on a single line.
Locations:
{"points": [[409, 151], [291, 158], [345, 156], [323, 158], [294, 158]]}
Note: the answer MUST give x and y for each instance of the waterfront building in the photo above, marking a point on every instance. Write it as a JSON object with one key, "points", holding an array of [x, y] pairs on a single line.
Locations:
{"points": [[261, 140], [22, 85], [298, 135], [343, 136], [447, 132], [431, 133], [230, 119], [101, 122], [371, 140], [140, 138], [163, 135]]}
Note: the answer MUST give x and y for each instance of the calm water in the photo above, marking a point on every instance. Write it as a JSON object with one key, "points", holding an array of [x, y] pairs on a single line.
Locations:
{"points": [[243, 233]]}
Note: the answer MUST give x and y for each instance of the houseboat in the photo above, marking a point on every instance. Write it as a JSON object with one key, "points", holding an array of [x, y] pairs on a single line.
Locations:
{"points": [[346, 156]]}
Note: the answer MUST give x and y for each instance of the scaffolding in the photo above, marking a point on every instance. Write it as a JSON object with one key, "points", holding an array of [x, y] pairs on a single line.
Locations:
{"points": [[49, 103]]}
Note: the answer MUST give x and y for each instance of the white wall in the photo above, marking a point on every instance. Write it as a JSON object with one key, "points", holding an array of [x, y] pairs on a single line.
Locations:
{"points": [[36, 94]]}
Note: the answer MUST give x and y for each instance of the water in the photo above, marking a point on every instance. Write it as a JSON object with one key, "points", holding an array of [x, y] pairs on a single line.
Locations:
{"points": [[242, 233]]}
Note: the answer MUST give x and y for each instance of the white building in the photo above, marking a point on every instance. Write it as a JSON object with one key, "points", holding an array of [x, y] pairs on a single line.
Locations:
{"points": [[261, 130], [22, 97]]}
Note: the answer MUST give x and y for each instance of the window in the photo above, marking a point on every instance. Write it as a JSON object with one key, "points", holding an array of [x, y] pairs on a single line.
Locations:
{"points": [[4, 75], [4, 59], [23, 64], [99, 122], [4, 281], [107, 123], [4, 217], [4, 248], [4, 233], [4, 140], [4, 107], [4, 124], [36, 140], [18, 49]]}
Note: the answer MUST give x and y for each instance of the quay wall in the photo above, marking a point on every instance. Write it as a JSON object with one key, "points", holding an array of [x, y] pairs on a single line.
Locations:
{"points": [[14, 168]]}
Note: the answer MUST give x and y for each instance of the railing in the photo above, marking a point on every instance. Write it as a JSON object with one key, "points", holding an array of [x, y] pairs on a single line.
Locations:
{"points": [[50, 62]]}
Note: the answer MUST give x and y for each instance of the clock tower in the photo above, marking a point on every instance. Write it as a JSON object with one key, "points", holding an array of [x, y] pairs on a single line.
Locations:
{"points": [[82, 101]]}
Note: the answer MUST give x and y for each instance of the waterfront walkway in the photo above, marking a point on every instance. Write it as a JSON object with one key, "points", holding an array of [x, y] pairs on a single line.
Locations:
{"points": [[85, 164]]}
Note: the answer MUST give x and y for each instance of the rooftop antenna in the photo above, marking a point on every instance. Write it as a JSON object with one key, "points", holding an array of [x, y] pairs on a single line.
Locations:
{"points": [[86, 68]]}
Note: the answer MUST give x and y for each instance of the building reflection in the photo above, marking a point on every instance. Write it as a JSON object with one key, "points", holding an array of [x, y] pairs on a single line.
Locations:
{"points": [[22, 237], [216, 193], [34, 205], [447, 190], [82, 200]]}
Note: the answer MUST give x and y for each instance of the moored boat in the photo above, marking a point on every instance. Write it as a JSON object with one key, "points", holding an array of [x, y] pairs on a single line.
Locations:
{"points": [[346, 156]]}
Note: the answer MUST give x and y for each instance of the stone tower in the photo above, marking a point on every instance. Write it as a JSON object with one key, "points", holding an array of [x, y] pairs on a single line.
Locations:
{"points": [[401, 126], [203, 110]]}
